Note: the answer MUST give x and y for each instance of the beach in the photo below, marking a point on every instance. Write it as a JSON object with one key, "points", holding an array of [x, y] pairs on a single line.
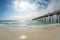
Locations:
{"points": [[30, 33]]}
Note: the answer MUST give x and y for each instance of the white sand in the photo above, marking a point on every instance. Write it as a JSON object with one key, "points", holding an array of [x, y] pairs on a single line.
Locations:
{"points": [[29, 33]]}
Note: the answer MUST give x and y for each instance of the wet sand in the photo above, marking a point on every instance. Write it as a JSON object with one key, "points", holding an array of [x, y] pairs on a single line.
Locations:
{"points": [[30, 33]]}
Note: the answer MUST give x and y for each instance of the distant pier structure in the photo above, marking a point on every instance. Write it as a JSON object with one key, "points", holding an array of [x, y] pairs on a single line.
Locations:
{"points": [[53, 17]]}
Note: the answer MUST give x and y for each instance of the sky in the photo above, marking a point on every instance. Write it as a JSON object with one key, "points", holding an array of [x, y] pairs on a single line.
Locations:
{"points": [[26, 9]]}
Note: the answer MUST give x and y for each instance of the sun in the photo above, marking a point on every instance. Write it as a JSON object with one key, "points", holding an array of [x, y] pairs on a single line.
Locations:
{"points": [[24, 5]]}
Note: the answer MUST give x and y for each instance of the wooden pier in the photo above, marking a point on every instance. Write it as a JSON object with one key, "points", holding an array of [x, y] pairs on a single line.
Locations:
{"points": [[53, 17]]}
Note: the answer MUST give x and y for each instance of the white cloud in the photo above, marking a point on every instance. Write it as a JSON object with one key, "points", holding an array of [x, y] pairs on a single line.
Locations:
{"points": [[25, 8], [22, 5], [22, 17], [53, 6]]}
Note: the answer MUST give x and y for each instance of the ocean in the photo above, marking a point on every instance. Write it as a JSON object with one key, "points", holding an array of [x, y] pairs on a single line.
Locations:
{"points": [[19, 22], [22, 22], [10, 22]]}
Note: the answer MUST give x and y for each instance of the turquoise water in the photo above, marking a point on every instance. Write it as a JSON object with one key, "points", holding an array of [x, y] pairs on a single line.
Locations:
{"points": [[9, 22], [19, 22], [23, 23]]}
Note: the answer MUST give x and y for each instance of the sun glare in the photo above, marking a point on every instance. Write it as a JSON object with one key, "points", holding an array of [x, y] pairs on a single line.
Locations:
{"points": [[22, 37]]}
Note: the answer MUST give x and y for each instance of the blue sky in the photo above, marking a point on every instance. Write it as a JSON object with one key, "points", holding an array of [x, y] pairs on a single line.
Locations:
{"points": [[20, 9], [4, 7]]}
